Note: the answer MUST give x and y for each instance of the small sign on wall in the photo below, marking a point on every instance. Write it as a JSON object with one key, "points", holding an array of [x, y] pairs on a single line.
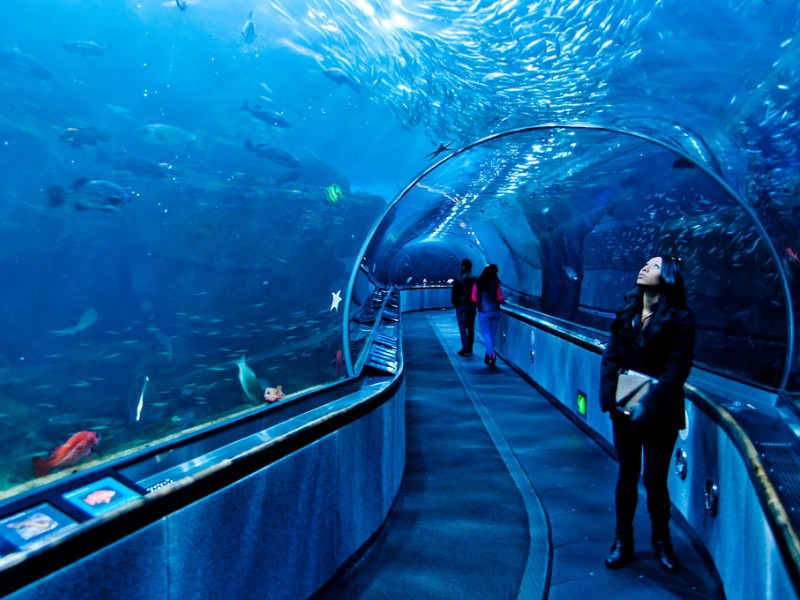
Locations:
{"points": [[582, 405], [30, 526], [101, 496]]}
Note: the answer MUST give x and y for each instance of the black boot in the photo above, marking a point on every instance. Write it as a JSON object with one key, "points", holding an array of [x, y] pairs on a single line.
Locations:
{"points": [[666, 556], [621, 553]]}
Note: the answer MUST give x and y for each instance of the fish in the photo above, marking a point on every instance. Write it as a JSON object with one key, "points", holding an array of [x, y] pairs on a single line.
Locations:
{"points": [[333, 193], [88, 318], [78, 137], [273, 394], [85, 48], [70, 453], [439, 150], [683, 163], [140, 404], [248, 381], [120, 111], [100, 497], [23, 64], [249, 30], [273, 153], [167, 135], [339, 77], [166, 344], [263, 113], [338, 361], [88, 194], [137, 165]]}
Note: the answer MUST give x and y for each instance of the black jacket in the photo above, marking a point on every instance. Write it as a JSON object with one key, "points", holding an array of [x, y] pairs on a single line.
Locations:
{"points": [[462, 290], [664, 353]]}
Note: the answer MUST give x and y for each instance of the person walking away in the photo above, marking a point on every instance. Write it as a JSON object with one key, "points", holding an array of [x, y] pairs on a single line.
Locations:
{"points": [[487, 295], [461, 298], [654, 335]]}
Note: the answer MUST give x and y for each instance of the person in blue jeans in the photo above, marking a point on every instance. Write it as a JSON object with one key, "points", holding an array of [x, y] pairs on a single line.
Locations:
{"points": [[461, 298], [487, 296]]}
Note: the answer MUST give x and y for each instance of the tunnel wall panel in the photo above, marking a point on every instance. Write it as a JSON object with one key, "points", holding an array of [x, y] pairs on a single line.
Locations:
{"points": [[132, 568]]}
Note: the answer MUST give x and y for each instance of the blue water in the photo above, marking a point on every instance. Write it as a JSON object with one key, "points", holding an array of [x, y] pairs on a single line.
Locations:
{"points": [[225, 240]]}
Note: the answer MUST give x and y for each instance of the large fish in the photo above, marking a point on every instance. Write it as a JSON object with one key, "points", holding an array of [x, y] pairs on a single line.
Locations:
{"points": [[249, 30], [85, 48], [161, 133], [23, 64], [339, 77], [265, 114], [273, 153], [248, 381], [89, 194], [88, 318], [70, 453], [78, 137], [139, 166]]}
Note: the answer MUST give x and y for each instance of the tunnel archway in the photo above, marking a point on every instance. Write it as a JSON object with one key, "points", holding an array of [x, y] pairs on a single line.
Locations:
{"points": [[570, 212]]}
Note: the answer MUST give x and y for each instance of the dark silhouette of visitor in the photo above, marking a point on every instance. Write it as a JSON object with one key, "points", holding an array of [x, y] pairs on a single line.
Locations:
{"points": [[461, 298], [488, 296]]}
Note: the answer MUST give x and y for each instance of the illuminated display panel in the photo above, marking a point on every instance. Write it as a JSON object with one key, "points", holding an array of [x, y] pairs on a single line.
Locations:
{"points": [[101, 496], [35, 524]]}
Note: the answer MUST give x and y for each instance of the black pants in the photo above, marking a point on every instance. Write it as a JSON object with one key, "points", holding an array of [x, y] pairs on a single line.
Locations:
{"points": [[630, 443], [466, 326]]}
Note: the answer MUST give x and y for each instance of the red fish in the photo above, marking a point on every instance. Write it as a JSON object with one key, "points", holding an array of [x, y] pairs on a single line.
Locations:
{"points": [[274, 394], [338, 361], [75, 449]]}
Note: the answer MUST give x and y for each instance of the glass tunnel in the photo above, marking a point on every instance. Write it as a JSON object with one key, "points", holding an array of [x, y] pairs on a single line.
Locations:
{"points": [[568, 212], [207, 205]]}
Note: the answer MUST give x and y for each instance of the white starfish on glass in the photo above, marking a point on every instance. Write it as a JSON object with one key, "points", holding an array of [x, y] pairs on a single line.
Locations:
{"points": [[337, 298]]}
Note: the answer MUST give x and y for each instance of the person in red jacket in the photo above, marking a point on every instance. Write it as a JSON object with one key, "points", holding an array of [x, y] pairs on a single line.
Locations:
{"points": [[488, 296]]}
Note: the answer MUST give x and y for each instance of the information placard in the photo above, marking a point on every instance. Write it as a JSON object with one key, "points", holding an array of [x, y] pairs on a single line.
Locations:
{"points": [[28, 527], [101, 496]]}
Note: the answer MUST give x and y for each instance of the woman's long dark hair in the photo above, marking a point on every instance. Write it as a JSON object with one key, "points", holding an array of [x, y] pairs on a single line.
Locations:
{"points": [[672, 295], [488, 280]]}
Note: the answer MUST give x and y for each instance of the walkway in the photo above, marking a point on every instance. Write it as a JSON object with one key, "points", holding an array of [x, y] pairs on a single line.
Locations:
{"points": [[504, 497]]}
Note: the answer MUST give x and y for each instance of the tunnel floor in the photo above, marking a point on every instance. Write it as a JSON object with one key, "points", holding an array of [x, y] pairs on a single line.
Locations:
{"points": [[503, 495]]}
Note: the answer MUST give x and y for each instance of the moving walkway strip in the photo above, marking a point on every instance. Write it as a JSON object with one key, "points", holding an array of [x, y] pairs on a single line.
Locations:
{"points": [[536, 577]]}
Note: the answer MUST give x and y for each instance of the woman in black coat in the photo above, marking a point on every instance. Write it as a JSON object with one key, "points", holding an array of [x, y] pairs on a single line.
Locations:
{"points": [[653, 335]]}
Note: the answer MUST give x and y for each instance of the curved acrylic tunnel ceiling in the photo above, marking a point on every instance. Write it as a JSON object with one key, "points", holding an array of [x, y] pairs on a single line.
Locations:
{"points": [[570, 213]]}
